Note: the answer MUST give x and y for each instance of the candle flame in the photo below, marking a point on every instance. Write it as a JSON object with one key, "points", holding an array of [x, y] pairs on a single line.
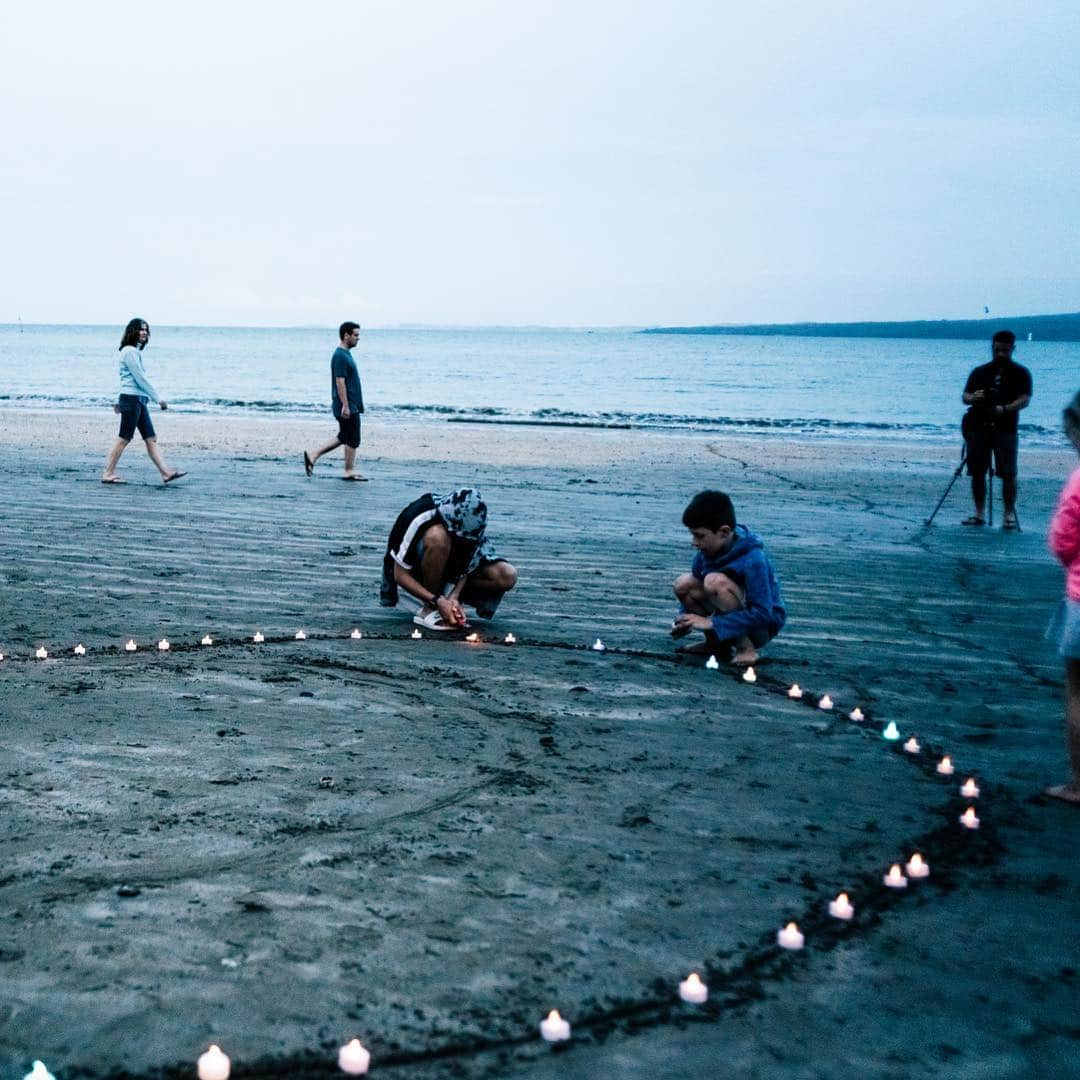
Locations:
{"points": [[473, 638], [795, 691], [554, 1017]]}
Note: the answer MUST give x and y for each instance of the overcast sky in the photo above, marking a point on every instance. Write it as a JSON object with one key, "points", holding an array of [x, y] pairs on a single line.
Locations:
{"points": [[560, 163]]}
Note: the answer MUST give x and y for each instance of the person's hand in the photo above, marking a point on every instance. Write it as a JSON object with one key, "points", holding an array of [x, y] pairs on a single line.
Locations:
{"points": [[451, 611], [116, 407], [163, 405], [345, 414], [698, 622]]}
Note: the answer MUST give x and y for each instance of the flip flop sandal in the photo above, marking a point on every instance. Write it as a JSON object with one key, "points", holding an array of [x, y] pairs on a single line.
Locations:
{"points": [[1011, 525], [173, 476], [355, 479], [114, 480], [973, 520], [309, 465], [433, 621]]}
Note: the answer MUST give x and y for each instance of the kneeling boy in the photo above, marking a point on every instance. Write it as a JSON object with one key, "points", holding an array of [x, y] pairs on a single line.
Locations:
{"points": [[731, 591], [439, 555]]}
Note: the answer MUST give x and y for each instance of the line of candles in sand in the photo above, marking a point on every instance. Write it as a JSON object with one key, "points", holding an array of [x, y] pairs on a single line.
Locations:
{"points": [[355, 1060]]}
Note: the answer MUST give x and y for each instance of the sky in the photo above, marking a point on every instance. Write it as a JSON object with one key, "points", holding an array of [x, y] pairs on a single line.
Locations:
{"points": [[538, 163]]}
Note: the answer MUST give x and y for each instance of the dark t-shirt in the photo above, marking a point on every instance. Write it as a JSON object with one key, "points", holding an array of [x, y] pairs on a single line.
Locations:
{"points": [[343, 366], [1003, 384]]}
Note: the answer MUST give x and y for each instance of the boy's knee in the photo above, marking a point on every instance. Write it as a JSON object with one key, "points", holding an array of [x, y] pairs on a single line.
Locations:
{"points": [[437, 540], [723, 592], [684, 585]]}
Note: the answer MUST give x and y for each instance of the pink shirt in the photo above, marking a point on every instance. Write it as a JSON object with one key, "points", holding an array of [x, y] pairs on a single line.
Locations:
{"points": [[1064, 535]]}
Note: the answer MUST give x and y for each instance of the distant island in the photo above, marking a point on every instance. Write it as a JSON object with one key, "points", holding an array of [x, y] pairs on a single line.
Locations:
{"points": [[1038, 327]]}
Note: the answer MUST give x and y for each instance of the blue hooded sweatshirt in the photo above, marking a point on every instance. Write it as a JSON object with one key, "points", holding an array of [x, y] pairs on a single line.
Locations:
{"points": [[746, 563]]}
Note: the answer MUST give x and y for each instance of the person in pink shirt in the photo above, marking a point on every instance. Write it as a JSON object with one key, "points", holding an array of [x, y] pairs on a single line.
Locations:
{"points": [[1064, 542]]}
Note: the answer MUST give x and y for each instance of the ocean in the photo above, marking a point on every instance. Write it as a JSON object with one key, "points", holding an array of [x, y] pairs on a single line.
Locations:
{"points": [[827, 386]]}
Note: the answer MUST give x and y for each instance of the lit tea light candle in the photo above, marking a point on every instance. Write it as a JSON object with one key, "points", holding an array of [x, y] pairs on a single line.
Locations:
{"points": [[472, 638], [353, 1059], [693, 990], [945, 766], [213, 1065], [510, 639], [1, 656], [356, 636], [39, 1072], [598, 646], [416, 635], [257, 637], [969, 819], [841, 908], [130, 646], [80, 649], [825, 703], [208, 640], [42, 652], [917, 867], [554, 1028], [300, 635], [912, 745], [895, 877], [790, 937], [891, 732], [969, 789], [712, 664], [856, 714], [749, 675], [794, 692], [163, 645]]}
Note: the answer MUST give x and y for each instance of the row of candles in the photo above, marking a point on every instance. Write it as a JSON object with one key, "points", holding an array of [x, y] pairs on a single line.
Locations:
{"points": [[354, 1059]]}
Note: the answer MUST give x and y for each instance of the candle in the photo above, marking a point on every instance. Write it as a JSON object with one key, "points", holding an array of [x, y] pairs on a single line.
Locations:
{"points": [[41, 653], [895, 877], [554, 1028], [912, 745], [213, 1065], [969, 789], [353, 1058], [841, 908], [356, 636], [693, 990], [39, 1072], [1, 656], [790, 937], [598, 646], [80, 649], [416, 635], [130, 646], [945, 766], [891, 732], [749, 675], [856, 714], [208, 640], [510, 639], [825, 703], [472, 638], [795, 692], [163, 645], [969, 819], [301, 636], [917, 867], [258, 637], [712, 663]]}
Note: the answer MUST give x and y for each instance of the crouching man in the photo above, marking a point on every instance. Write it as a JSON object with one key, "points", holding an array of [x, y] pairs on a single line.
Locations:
{"points": [[439, 559], [731, 591]]}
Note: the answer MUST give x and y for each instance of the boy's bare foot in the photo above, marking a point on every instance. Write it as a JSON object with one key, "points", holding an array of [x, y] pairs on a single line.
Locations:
{"points": [[745, 657], [1069, 793]]}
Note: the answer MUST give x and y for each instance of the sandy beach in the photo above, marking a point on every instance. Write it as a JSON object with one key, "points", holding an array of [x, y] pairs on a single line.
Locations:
{"points": [[429, 844]]}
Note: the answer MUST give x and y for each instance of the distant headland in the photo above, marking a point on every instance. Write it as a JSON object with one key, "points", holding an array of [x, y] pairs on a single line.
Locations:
{"points": [[1033, 327]]}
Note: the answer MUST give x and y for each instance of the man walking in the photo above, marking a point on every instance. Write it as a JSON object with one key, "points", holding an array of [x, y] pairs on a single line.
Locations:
{"points": [[996, 393], [346, 401]]}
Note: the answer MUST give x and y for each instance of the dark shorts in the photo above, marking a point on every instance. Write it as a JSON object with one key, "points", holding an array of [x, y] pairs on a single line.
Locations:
{"points": [[349, 430], [134, 414], [1003, 444]]}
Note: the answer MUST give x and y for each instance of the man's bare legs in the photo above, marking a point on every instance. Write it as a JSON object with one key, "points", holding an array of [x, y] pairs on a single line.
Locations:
{"points": [[333, 444], [978, 494], [489, 583], [716, 595], [350, 461], [109, 475], [157, 459], [1070, 791]]}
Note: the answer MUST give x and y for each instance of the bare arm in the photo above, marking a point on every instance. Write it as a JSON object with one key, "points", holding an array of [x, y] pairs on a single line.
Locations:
{"points": [[343, 396], [449, 607]]}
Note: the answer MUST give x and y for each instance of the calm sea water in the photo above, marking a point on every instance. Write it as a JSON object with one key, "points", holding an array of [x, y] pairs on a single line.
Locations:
{"points": [[828, 385]]}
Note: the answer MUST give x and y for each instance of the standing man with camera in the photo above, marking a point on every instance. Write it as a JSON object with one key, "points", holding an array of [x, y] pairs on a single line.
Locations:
{"points": [[995, 392]]}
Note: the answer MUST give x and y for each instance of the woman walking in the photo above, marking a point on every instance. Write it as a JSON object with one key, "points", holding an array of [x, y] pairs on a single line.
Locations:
{"points": [[1065, 629], [135, 391]]}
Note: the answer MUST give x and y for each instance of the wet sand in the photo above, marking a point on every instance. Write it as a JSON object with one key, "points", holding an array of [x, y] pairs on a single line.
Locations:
{"points": [[429, 844]]}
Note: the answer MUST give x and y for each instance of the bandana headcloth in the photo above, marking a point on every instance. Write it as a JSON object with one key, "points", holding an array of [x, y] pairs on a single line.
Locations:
{"points": [[464, 514]]}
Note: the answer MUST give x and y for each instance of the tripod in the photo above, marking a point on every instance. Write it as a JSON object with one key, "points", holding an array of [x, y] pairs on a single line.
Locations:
{"points": [[955, 477]]}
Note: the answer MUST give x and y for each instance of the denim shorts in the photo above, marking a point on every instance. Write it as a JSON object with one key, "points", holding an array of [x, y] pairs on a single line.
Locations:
{"points": [[1064, 629], [134, 414]]}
